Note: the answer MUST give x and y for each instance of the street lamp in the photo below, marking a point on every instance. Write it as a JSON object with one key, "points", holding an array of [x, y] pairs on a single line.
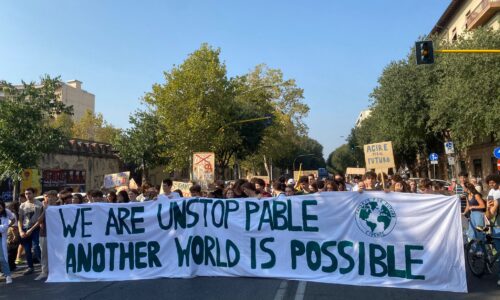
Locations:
{"points": [[302, 155]]}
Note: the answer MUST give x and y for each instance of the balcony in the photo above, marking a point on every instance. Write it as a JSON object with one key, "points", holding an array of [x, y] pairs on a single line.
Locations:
{"points": [[482, 13]]}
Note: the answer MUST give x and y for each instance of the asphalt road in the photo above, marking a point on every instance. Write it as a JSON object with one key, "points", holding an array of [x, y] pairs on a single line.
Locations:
{"points": [[25, 287]]}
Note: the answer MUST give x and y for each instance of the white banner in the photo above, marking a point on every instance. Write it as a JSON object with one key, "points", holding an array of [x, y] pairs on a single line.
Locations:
{"points": [[372, 238]]}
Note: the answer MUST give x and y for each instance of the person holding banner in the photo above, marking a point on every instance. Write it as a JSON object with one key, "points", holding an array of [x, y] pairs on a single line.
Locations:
{"points": [[29, 212], [167, 190]]}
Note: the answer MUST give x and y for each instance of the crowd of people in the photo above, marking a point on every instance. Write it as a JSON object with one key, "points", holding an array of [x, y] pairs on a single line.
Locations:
{"points": [[23, 231]]}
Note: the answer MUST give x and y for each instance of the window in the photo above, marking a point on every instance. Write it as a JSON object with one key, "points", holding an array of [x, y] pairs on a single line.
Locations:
{"points": [[463, 167], [478, 168]]}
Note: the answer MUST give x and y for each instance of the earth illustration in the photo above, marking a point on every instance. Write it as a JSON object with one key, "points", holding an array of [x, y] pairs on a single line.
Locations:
{"points": [[376, 216]]}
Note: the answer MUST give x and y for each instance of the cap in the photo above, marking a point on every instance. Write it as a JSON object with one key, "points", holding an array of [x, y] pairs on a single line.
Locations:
{"points": [[290, 181]]}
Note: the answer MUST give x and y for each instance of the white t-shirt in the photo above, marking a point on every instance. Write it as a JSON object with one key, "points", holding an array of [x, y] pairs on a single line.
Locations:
{"points": [[494, 193], [172, 195]]}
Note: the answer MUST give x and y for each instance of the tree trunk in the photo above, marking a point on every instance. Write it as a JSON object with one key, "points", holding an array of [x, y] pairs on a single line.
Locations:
{"points": [[14, 191], [266, 166]]}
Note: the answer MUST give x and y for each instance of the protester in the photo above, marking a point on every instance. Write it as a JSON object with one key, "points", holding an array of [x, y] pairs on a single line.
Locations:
{"points": [[13, 239], [29, 212], [122, 197], [331, 186], [413, 186], [144, 187], [311, 178], [313, 187], [321, 185], [50, 198], [369, 182], [303, 186], [195, 190], [425, 186], [289, 190], [260, 187], [475, 208], [493, 211], [219, 189], [278, 189], [179, 192], [249, 190], [150, 195], [77, 199], [133, 195], [112, 198], [238, 191], [167, 191], [97, 196], [4, 227], [229, 193], [476, 184]]}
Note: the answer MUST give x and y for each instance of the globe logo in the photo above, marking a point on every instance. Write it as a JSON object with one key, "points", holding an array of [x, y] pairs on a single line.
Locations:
{"points": [[375, 217]]}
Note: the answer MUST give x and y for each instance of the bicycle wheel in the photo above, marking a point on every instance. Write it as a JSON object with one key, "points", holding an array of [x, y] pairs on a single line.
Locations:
{"points": [[476, 257]]}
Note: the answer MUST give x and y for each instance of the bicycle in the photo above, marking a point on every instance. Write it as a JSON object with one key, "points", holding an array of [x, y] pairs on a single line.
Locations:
{"points": [[479, 252]]}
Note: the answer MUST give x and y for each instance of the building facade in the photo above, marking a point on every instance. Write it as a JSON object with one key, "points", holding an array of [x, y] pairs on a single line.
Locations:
{"points": [[80, 164], [71, 93]]}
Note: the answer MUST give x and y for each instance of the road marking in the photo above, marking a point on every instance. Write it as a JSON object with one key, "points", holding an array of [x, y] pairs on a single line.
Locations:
{"points": [[301, 290], [280, 293]]}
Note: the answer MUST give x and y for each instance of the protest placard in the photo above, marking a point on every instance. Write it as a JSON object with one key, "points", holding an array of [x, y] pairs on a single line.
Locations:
{"points": [[379, 156], [204, 168]]}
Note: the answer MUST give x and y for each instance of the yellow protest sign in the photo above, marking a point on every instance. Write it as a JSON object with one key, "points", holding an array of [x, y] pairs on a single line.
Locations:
{"points": [[379, 156]]}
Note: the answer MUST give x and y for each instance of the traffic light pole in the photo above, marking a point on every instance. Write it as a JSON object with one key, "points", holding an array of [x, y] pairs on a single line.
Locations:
{"points": [[468, 51]]}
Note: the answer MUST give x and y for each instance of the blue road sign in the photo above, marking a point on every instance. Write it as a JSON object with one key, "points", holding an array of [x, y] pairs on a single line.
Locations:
{"points": [[496, 152], [433, 157]]}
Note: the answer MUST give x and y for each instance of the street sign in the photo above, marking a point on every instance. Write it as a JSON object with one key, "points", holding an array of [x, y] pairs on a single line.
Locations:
{"points": [[449, 148], [496, 152], [451, 160], [498, 165], [433, 158]]}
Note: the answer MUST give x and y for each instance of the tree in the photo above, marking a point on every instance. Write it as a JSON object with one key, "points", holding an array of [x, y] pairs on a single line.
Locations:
{"points": [[93, 127], [466, 102], [26, 125], [341, 158], [193, 105], [142, 145], [282, 99]]}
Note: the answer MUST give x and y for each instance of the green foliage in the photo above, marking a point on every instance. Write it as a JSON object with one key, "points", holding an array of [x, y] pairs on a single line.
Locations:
{"points": [[420, 107], [468, 94], [341, 158], [142, 145], [93, 127], [200, 109], [26, 130]]}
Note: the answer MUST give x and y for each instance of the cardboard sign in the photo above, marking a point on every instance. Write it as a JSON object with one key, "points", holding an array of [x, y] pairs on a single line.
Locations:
{"points": [[379, 156], [182, 186], [204, 168], [355, 171], [116, 180]]}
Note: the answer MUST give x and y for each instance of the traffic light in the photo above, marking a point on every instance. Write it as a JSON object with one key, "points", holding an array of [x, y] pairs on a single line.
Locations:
{"points": [[425, 52]]}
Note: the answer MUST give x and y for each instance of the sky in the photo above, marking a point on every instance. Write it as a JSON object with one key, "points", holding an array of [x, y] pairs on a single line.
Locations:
{"points": [[335, 50]]}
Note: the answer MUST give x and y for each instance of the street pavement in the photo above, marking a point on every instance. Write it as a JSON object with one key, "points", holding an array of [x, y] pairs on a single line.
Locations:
{"points": [[25, 287]]}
